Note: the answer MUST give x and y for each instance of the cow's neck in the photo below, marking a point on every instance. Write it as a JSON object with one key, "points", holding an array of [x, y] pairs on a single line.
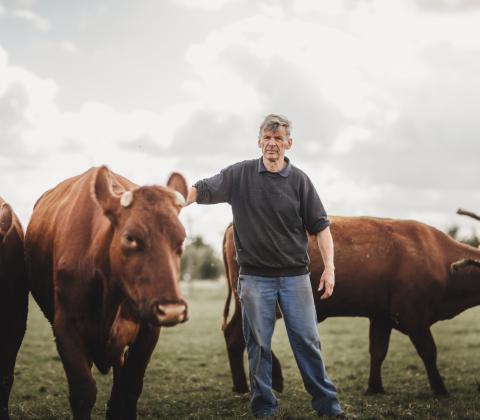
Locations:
{"points": [[111, 295], [108, 349]]}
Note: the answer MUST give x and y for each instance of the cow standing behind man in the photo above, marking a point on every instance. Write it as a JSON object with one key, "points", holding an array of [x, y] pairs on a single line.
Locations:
{"points": [[103, 258], [13, 299], [401, 274]]}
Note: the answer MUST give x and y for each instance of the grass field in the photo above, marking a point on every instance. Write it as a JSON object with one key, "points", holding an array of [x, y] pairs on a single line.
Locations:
{"points": [[188, 377]]}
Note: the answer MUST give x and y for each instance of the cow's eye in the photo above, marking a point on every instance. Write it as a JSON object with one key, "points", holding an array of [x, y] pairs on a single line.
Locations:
{"points": [[131, 241]]}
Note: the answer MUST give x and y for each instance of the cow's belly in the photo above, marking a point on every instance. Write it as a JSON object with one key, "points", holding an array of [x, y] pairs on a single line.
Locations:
{"points": [[332, 307]]}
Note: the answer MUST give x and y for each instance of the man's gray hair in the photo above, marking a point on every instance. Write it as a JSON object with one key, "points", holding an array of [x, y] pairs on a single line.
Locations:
{"points": [[273, 122]]}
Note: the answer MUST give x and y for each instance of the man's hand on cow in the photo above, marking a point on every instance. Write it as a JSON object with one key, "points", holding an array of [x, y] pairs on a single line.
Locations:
{"points": [[327, 282]]}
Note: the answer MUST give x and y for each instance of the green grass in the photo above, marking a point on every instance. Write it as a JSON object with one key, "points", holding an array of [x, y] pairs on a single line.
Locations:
{"points": [[189, 378]]}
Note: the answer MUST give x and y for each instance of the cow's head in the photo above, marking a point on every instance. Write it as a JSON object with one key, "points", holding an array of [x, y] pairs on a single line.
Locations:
{"points": [[146, 246], [6, 221]]}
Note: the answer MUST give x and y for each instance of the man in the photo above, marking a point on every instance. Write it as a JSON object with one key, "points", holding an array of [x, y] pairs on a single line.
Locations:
{"points": [[274, 204]]}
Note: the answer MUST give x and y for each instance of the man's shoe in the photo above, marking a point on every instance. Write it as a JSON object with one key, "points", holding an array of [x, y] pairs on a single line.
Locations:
{"points": [[266, 415]]}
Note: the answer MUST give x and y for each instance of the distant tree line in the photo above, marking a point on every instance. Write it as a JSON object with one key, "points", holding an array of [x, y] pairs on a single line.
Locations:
{"points": [[199, 261]]}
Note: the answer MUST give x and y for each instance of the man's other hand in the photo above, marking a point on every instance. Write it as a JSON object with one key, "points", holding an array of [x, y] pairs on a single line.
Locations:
{"points": [[327, 282]]}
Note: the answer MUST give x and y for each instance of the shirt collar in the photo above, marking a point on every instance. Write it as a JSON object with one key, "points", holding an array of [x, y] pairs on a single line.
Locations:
{"points": [[284, 172]]}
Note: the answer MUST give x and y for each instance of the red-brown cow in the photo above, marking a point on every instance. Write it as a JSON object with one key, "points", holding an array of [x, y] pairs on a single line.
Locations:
{"points": [[103, 258], [13, 299], [397, 273]]}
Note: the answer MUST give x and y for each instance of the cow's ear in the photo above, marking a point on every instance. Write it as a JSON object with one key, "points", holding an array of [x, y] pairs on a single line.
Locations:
{"points": [[6, 219], [178, 183], [104, 194]]}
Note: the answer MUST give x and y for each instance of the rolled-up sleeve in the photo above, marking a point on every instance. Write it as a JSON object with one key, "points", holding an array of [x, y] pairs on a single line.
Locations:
{"points": [[217, 189], [314, 215]]}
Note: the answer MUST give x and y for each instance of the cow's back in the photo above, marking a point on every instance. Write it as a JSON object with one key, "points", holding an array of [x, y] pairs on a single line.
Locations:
{"points": [[61, 234]]}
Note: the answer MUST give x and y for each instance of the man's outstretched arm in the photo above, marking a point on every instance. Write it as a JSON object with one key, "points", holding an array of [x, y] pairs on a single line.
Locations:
{"points": [[213, 190]]}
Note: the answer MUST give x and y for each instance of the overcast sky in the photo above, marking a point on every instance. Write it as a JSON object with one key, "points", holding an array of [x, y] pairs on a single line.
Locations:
{"points": [[384, 96]]}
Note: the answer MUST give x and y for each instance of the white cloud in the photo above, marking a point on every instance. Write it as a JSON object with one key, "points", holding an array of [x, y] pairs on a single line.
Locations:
{"points": [[38, 22], [45, 145], [68, 46], [348, 137], [210, 5], [448, 5], [339, 66], [325, 7]]}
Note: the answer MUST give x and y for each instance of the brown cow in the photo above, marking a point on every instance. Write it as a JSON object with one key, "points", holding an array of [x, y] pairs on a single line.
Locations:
{"points": [[13, 299], [397, 273], [103, 258]]}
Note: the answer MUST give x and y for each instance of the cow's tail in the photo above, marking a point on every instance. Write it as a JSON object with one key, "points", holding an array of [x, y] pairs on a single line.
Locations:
{"points": [[226, 309]]}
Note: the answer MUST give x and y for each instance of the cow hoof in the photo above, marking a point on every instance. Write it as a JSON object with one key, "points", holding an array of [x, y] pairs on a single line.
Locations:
{"points": [[374, 390]]}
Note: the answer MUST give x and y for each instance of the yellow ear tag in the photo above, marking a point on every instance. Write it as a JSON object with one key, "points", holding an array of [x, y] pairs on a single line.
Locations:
{"points": [[179, 199], [127, 199]]}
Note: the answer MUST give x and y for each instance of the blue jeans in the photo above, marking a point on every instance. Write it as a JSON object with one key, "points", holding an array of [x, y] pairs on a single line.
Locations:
{"points": [[259, 296]]}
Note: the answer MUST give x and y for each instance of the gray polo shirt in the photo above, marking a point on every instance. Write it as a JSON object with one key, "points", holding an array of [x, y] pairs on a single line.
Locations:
{"points": [[272, 211]]}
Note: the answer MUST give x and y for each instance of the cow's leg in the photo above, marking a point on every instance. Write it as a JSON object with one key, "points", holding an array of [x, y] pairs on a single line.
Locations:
{"points": [[6, 382], [13, 326], [235, 348], [277, 376], [380, 330], [9, 350], [81, 384], [423, 341], [128, 380]]}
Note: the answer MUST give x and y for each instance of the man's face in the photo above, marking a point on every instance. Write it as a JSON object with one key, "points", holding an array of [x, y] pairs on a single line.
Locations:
{"points": [[274, 144]]}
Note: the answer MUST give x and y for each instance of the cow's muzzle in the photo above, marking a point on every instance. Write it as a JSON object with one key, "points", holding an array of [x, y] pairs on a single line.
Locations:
{"points": [[169, 314], [163, 313]]}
